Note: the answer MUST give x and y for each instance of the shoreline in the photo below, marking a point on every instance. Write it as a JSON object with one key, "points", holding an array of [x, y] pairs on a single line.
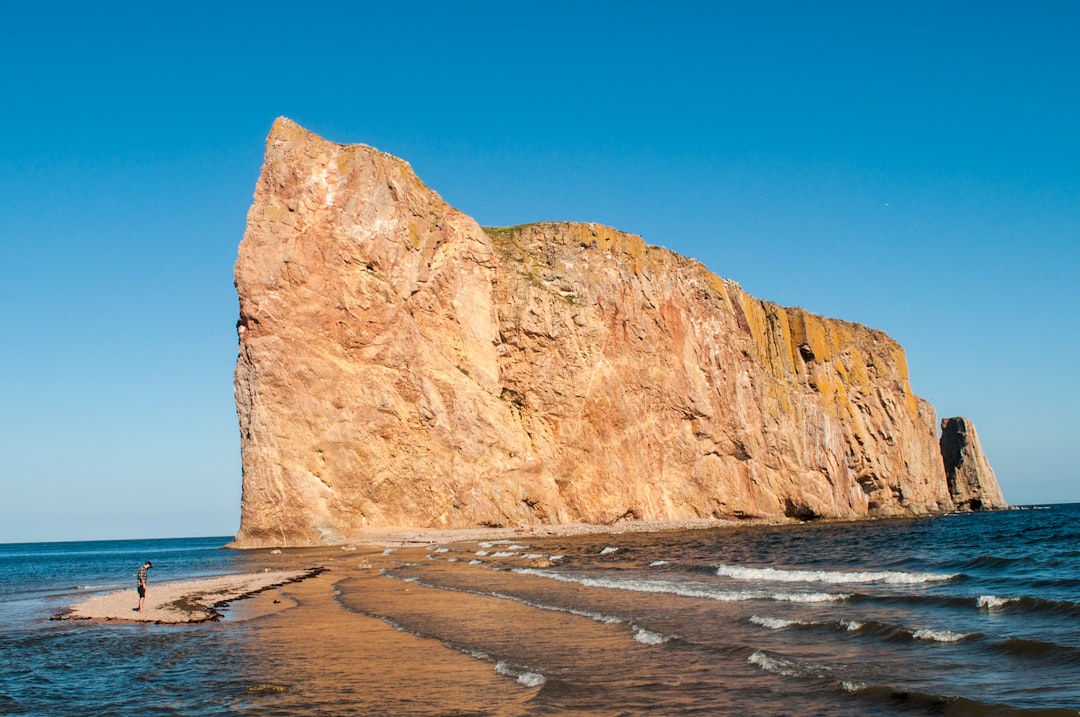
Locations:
{"points": [[401, 536]]}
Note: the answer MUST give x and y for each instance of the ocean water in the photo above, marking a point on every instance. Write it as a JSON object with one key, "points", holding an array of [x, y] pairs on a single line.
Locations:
{"points": [[974, 614]]}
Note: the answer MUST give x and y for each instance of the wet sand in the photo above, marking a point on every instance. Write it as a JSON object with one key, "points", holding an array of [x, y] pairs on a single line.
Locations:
{"points": [[322, 658]]}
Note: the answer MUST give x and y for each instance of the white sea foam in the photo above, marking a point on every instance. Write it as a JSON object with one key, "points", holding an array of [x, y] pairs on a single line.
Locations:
{"points": [[693, 590], [518, 547], [482, 553], [474, 561], [657, 563], [609, 550], [774, 664], [388, 551], [852, 625], [442, 550], [775, 623], [523, 677], [939, 635], [992, 602], [503, 554], [532, 556], [478, 654], [531, 679], [486, 544], [776, 575], [648, 637]]}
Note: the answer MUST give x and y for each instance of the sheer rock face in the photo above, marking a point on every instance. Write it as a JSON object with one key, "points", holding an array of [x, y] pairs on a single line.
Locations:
{"points": [[401, 366], [971, 479]]}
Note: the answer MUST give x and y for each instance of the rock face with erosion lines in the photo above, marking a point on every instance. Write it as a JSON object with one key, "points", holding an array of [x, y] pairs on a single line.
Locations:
{"points": [[400, 365]]}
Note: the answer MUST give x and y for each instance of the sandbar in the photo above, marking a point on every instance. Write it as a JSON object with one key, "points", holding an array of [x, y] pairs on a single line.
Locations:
{"points": [[183, 602]]}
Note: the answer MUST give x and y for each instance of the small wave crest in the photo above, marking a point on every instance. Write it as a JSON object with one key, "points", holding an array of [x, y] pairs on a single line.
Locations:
{"points": [[993, 602], [648, 637], [890, 577], [899, 633], [1039, 649], [524, 677], [939, 635], [879, 629], [991, 561], [776, 664], [1029, 604], [776, 623], [917, 701]]}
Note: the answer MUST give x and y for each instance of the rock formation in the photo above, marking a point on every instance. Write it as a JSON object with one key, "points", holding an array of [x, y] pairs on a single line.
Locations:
{"points": [[971, 479], [399, 365]]}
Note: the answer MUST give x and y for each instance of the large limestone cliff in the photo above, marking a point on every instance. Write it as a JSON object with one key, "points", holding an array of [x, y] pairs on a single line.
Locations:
{"points": [[402, 366]]}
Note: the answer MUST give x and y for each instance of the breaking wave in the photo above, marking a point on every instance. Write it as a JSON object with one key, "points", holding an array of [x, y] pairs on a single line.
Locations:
{"points": [[648, 637], [685, 589], [866, 627], [777, 575], [523, 676], [1028, 604]]}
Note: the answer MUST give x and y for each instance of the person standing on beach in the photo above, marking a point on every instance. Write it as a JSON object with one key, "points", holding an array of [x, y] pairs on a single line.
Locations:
{"points": [[141, 576]]}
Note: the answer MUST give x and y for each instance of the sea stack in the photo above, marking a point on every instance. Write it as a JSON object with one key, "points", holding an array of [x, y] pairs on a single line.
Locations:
{"points": [[971, 480], [399, 365]]}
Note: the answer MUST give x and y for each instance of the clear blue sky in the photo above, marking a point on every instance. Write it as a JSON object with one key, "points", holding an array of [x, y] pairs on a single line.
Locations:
{"points": [[914, 166]]}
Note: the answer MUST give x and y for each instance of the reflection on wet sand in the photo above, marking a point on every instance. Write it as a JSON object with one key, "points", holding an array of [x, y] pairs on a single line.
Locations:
{"points": [[320, 658]]}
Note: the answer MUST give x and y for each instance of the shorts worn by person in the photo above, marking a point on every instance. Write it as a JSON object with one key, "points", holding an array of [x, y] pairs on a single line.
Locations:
{"points": [[141, 577]]}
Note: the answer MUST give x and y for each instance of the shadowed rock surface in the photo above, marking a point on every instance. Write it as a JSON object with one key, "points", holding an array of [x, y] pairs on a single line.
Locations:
{"points": [[399, 365], [971, 480]]}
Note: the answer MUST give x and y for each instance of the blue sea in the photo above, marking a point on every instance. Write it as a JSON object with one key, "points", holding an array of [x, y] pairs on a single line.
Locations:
{"points": [[969, 614]]}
